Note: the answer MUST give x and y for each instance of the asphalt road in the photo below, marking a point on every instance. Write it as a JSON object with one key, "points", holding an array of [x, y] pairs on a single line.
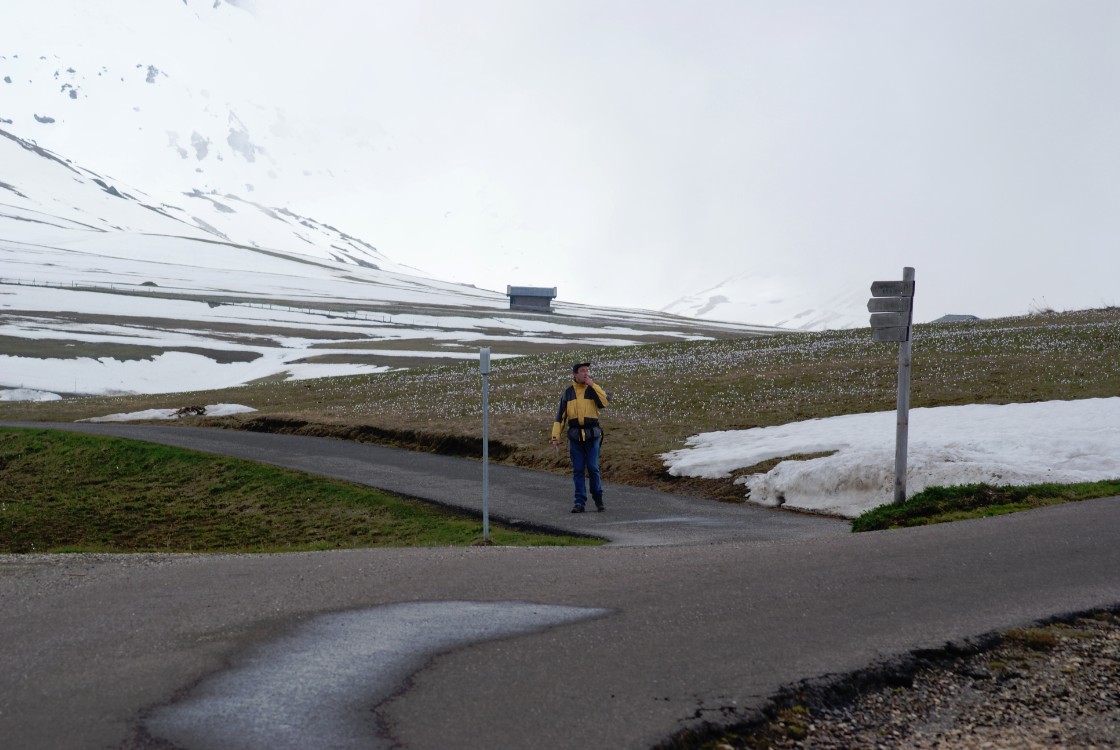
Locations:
{"points": [[688, 616]]}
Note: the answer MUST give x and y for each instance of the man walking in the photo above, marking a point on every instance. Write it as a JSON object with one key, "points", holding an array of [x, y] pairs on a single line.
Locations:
{"points": [[579, 413]]}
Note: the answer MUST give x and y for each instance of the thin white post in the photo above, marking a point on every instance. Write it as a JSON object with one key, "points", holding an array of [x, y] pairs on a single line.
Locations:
{"points": [[484, 368]]}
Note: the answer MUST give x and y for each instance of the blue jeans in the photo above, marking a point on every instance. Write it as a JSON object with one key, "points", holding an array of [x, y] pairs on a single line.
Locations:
{"points": [[585, 458]]}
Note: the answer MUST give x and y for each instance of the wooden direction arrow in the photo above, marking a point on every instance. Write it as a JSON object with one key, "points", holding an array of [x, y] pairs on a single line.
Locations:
{"points": [[890, 335], [890, 304], [890, 319], [892, 288]]}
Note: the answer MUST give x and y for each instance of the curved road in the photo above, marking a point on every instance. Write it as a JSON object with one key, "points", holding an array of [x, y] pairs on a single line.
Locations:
{"points": [[695, 612]]}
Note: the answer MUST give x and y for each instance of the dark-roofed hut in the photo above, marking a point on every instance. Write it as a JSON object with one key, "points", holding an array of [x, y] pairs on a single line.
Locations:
{"points": [[536, 298]]}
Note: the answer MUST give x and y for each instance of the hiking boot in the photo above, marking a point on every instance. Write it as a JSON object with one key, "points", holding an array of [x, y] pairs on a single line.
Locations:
{"points": [[577, 509], [599, 504]]}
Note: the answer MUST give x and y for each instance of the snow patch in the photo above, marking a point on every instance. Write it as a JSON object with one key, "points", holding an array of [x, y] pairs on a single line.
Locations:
{"points": [[1013, 444], [212, 410], [27, 394]]}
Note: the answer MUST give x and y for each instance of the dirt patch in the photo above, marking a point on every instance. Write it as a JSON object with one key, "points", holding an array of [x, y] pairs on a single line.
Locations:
{"points": [[73, 349], [428, 442]]}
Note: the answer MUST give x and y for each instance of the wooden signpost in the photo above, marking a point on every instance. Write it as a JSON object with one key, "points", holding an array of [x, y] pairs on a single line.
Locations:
{"points": [[892, 316]]}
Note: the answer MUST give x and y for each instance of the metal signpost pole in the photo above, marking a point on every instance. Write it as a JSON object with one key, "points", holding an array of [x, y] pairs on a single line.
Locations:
{"points": [[484, 368], [892, 316], [902, 430]]}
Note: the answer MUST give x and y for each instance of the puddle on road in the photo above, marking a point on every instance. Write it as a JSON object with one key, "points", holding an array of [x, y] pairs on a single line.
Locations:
{"points": [[316, 686]]}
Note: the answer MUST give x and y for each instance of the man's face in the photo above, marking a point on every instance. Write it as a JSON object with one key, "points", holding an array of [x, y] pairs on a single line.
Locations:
{"points": [[581, 374]]}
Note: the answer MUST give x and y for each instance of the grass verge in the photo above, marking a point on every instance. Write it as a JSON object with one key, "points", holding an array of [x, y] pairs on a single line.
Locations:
{"points": [[944, 504], [62, 492]]}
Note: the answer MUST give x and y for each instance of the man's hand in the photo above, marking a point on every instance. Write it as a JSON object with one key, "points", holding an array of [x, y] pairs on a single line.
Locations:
{"points": [[555, 444], [588, 379]]}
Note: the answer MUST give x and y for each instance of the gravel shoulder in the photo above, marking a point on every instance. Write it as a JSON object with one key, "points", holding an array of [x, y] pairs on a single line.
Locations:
{"points": [[1055, 686]]}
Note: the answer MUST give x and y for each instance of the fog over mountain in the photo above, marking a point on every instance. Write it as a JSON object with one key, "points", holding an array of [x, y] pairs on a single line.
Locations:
{"points": [[162, 118], [753, 162], [785, 300]]}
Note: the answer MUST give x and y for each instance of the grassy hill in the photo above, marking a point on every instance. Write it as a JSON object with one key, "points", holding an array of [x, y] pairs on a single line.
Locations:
{"points": [[665, 392]]}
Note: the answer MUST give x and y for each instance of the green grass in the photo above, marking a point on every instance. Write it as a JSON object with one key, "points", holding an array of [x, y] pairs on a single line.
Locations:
{"points": [[943, 504], [63, 492]]}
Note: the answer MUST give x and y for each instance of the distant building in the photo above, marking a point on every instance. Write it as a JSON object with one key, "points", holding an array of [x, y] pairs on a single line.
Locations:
{"points": [[537, 298], [955, 319]]}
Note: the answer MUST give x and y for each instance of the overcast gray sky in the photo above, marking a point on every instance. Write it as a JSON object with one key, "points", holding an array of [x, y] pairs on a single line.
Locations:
{"points": [[634, 151], [639, 150]]}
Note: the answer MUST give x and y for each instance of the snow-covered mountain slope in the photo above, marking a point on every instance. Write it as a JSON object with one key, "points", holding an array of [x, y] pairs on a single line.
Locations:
{"points": [[799, 303], [104, 288], [147, 239], [160, 94], [44, 188]]}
